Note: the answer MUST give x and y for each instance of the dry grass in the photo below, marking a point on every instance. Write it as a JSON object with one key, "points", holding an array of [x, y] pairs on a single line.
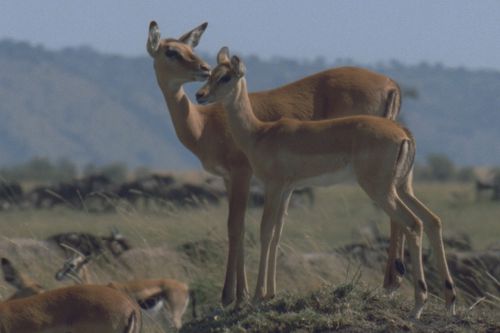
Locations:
{"points": [[347, 307], [339, 212]]}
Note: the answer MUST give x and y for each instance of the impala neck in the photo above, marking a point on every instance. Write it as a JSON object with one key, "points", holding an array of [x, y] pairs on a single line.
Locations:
{"points": [[185, 116], [242, 120]]}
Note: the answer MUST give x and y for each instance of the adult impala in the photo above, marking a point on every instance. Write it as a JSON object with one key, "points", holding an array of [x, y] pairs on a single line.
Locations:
{"points": [[75, 309], [204, 129], [288, 153], [152, 295]]}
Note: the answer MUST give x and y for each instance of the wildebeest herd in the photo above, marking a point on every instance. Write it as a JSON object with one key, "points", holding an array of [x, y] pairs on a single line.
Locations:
{"points": [[98, 193]]}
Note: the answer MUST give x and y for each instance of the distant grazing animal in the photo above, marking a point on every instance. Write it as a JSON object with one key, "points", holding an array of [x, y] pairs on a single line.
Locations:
{"points": [[492, 184], [11, 194], [147, 189], [165, 189], [290, 153], [189, 194], [75, 309], [90, 244], [204, 129], [72, 194], [86, 243], [300, 197]]}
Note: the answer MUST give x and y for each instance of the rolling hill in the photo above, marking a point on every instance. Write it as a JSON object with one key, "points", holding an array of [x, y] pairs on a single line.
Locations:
{"points": [[99, 108]]}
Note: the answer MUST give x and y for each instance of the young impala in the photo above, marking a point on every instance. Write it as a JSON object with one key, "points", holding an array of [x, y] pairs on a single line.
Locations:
{"points": [[76, 309], [204, 129], [288, 153], [151, 294]]}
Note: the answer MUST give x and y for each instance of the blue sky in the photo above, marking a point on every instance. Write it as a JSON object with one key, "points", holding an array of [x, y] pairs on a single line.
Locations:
{"points": [[455, 33]]}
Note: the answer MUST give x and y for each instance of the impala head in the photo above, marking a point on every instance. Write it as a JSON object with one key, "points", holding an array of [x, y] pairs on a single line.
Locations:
{"points": [[223, 79], [24, 285], [174, 59], [72, 266]]}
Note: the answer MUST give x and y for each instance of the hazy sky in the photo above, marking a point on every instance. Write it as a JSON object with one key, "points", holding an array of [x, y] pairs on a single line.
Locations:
{"points": [[453, 32]]}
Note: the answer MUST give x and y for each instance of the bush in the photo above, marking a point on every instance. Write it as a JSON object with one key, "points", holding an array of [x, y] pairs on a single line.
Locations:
{"points": [[441, 168], [41, 170]]}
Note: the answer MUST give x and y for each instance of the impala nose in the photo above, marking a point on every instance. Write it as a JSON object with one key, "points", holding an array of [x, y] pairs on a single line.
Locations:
{"points": [[199, 97], [205, 67], [203, 72]]}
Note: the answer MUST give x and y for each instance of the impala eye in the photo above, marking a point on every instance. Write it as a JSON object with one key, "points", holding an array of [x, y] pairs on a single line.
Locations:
{"points": [[172, 54], [225, 79]]}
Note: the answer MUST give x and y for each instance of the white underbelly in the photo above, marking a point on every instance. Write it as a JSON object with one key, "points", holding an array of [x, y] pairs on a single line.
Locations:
{"points": [[327, 179], [217, 170]]}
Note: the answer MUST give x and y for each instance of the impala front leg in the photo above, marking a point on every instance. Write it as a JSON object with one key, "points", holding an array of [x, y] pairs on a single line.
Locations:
{"points": [[237, 187], [273, 253], [267, 228]]}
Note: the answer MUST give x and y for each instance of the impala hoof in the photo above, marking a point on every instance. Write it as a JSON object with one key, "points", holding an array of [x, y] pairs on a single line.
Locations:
{"points": [[269, 297], [241, 301], [226, 302], [416, 312], [258, 299], [391, 293], [226, 299], [240, 304], [392, 288], [450, 309]]}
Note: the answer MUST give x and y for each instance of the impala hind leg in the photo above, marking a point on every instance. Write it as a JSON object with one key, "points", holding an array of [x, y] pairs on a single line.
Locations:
{"points": [[395, 267], [412, 228], [273, 253], [433, 229], [235, 283]]}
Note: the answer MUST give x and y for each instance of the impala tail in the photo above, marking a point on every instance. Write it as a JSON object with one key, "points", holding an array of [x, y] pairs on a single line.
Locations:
{"points": [[393, 104], [406, 156]]}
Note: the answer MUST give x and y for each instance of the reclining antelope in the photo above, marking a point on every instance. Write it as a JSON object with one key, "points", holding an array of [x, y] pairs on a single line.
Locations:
{"points": [[151, 294], [204, 129], [288, 153], [75, 309]]}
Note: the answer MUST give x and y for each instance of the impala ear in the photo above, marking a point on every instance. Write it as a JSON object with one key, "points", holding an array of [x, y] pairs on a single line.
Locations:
{"points": [[223, 55], [10, 274], [238, 66], [192, 38], [153, 42]]}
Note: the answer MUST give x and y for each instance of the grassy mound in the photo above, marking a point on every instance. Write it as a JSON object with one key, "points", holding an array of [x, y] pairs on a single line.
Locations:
{"points": [[348, 307]]}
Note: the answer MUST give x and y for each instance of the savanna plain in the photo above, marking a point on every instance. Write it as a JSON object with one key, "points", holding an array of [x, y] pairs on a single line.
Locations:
{"points": [[330, 266]]}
